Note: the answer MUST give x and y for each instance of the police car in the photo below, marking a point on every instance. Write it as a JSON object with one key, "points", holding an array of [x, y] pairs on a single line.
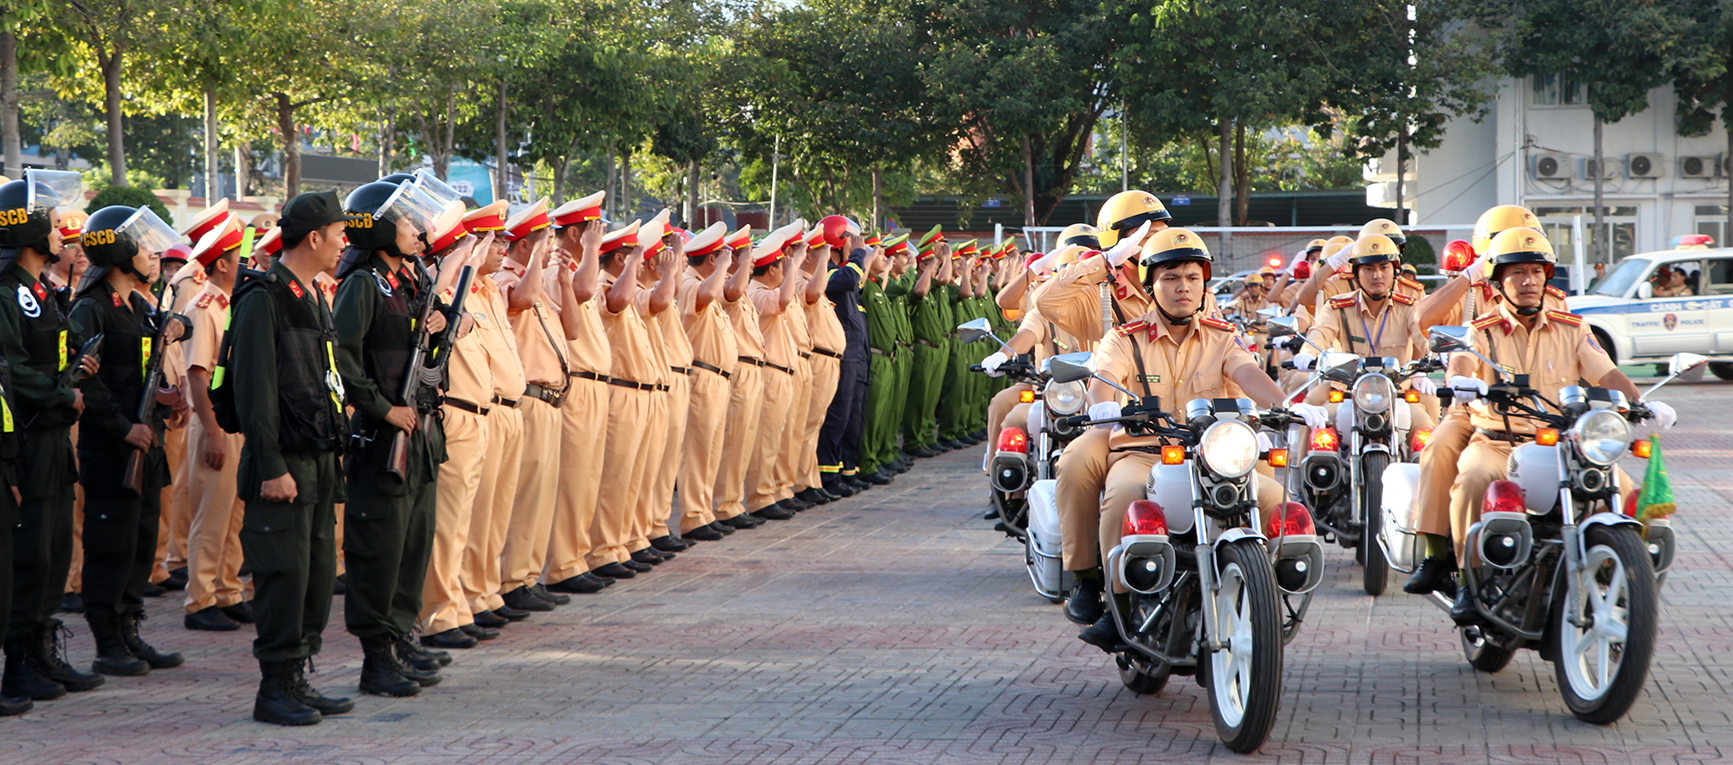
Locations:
{"points": [[1637, 326]]}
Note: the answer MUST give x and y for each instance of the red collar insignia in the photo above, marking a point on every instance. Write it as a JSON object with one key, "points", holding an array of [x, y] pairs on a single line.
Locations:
{"points": [[295, 287], [391, 277], [116, 297], [41, 291]]}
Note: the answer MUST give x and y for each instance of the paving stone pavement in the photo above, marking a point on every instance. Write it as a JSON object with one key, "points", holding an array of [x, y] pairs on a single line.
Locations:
{"points": [[898, 627]]}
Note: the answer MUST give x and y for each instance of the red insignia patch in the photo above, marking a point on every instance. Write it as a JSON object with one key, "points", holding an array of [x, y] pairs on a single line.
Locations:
{"points": [[116, 297], [41, 291], [295, 287], [393, 279]]}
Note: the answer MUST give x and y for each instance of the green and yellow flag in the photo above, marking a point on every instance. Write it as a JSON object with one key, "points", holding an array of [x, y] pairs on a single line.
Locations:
{"points": [[1656, 499]]}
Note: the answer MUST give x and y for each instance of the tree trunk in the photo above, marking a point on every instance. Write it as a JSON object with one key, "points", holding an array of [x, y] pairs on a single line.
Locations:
{"points": [[291, 135], [878, 199], [1402, 173], [692, 195], [612, 198], [111, 68], [387, 142], [1225, 188], [1601, 244], [243, 166], [1124, 151], [1727, 124], [1028, 182], [626, 206], [1242, 177], [500, 189], [213, 145], [560, 179], [14, 142]]}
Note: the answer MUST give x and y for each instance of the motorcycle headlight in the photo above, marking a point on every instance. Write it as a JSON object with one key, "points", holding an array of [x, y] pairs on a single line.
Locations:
{"points": [[1603, 436], [1064, 399], [1373, 393], [1229, 448]]}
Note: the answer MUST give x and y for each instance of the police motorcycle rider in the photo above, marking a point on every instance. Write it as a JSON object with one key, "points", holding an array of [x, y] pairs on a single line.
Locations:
{"points": [[1179, 353]]}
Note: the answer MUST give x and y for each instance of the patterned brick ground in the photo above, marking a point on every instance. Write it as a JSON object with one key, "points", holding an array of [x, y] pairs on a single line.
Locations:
{"points": [[897, 628]]}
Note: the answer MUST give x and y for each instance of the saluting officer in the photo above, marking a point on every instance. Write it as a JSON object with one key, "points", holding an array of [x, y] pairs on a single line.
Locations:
{"points": [[746, 392], [705, 287], [389, 514], [39, 343], [281, 359], [927, 315]]}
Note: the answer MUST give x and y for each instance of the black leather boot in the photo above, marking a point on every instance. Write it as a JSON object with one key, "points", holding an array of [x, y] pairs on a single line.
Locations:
{"points": [[276, 702], [136, 645], [11, 707], [381, 673], [1084, 605], [421, 657], [21, 679], [1432, 574], [311, 696], [51, 659], [112, 656]]}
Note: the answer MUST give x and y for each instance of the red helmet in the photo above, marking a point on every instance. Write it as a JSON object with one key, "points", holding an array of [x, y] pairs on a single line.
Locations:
{"points": [[837, 229]]}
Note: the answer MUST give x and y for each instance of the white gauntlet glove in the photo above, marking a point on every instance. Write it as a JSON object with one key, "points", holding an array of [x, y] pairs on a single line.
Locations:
{"points": [[990, 365], [1662, 415], [1105, 410], [1303, 361], [1314, 415], [1423, 385], [1466, 388], [1127, 247]]}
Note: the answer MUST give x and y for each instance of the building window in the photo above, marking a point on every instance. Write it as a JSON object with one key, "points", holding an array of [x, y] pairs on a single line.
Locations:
{"points": [[1559, 225], [1559, 89], [1712, 220]]}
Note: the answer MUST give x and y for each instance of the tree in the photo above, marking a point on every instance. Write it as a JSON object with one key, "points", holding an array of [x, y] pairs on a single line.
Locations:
{"points": [[317, 53], [110, 29], [1704, 80]]}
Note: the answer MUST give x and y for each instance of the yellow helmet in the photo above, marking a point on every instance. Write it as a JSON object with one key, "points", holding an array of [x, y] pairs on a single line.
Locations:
{"points": [[1175, 245], [1387, 228], [1257, 279], [1372, 249], [1068, 254], [1314, 245], [1124, 212], [1080, 234], [1498, 219], [1335, 245], [1520, 245]]}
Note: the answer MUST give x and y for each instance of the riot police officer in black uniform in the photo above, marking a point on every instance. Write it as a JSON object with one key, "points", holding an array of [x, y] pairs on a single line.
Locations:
{"points": [[40, 345], [9, 705], [388, 523], [120, 524]]}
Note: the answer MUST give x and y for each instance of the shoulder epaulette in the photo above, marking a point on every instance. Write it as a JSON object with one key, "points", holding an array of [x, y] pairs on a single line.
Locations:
{"points": [[1404, 299], [1130, 328], [204, 300], [1343, 301], [1488, 321], [1556, 292], [1411, 284], [1210, 321], [1565, 317], [1344, 273]]}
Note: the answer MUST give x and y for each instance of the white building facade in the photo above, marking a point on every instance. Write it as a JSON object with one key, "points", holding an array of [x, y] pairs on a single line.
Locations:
{"points": [[1535, 148]]}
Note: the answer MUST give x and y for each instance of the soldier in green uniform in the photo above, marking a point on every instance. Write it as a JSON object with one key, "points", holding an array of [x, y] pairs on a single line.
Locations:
{"points": [[898, 286], [928, 311], [389, 515], [278, 358], [881, 360], [954, 396], [39, 342]]}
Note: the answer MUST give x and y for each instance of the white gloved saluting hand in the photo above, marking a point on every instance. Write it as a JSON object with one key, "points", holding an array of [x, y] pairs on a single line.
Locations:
{"points": [[1466, 388], [1341, 257], [1127, 246], [990, 365]]}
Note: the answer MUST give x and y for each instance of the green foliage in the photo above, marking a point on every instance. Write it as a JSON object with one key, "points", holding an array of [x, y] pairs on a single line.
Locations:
{"points": [[1418, 252], [131, 196]]}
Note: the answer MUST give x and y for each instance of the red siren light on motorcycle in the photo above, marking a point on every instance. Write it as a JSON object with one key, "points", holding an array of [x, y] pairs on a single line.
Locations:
{"points": [[1504, 497], [1144, 517], [1420, 439], [1325, 440], [1457, 255], [1274, 261], [1288, 519], [1629, 506], [1013, 440]]}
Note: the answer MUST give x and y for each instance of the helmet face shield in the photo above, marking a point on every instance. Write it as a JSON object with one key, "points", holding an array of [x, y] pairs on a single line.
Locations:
{"points": [[149, 231], [440, 191], [49, 189], [410, 203]]}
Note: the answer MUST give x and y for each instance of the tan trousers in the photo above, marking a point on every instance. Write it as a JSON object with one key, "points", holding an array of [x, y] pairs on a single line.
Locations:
{"points": [[213, 546], [176, 517], [791, 456], [740, 438], [623, 464], [1483, 461], [701, 452], [826, 372], [667, 462], [490, 517], [653, 438], [444, 605], [584, 428], [1438, 472], [1081, 474], [762, 488], [75, 574], [998, 410], [1127, 478], [532, 510]]}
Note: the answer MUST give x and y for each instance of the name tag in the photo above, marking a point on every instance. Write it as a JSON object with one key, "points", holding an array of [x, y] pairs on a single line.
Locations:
{"points": [[1147, 378]]}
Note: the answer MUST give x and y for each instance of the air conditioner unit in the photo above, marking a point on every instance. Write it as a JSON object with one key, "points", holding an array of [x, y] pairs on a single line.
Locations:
{"points": [[1553, 167], [1697, 167], [1646, 165], [1610, 172]]}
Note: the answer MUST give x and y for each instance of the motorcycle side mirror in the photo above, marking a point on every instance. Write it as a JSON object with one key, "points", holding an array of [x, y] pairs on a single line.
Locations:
{"points": [[1282, 326], [974, 330], [1270, 313], [1336, 361], [1679, 364], [1449, 337], [1071, 367]]}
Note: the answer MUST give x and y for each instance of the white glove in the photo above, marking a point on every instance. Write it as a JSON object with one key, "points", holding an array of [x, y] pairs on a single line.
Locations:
{"points": [[1423, 385], [990, 365], [1314, 415], [1662, 415], [1466, 388], [1043, 265], [1127, 246], [1105, 410], [1303, 361], [1294, 261], [1476, 271], [1264, 442], [1341, 257]]}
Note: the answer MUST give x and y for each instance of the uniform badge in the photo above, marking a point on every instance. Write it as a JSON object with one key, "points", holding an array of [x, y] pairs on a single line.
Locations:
{"points": [[384, 287], [295, 287], [27, 301], [1155, 379], [116, 297], [41, 291]]}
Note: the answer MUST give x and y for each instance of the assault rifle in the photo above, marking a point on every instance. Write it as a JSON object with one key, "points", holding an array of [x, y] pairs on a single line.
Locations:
{"points": [[134, 476], [427, 367]]}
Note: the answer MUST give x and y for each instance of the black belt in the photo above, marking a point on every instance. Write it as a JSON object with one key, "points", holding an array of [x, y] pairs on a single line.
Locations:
{"points": [[634, 385], [1509, 438], [509, 403], [660, 388], [879, 352], [752, 361], [823, 352], [784, 370], [458, 403], [546, 394], [928, 343], [711, 368], [804, 354], [588, 376], [681, 370]]}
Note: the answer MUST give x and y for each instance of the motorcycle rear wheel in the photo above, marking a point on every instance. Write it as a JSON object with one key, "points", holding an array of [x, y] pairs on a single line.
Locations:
{"points": [[1482, 654], [1245, 677], [1141, 681], [1375, 577]]}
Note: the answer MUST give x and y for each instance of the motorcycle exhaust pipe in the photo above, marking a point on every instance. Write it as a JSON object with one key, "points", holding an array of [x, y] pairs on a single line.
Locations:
{"points": [[1010, 472]]}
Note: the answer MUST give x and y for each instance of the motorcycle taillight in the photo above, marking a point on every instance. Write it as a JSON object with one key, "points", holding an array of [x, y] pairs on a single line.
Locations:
{"points": [[1325, 440], [1287, 519], [1418, 441], [1144, 517], [1013, 440], [1504, 497]]}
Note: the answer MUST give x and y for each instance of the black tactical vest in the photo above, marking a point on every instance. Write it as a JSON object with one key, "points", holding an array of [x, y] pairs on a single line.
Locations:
{"points": [[310, 414]]}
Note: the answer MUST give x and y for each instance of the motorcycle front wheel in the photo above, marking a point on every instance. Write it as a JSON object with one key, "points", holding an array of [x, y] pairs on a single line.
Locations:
{"points": [[1375, 577], [1603, 665], [1245, 676]]}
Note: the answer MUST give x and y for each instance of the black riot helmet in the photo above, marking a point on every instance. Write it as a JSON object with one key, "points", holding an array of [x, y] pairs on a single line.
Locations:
{"points": [[115, 234], [379, 209], [396, 178], [27, 210]]}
